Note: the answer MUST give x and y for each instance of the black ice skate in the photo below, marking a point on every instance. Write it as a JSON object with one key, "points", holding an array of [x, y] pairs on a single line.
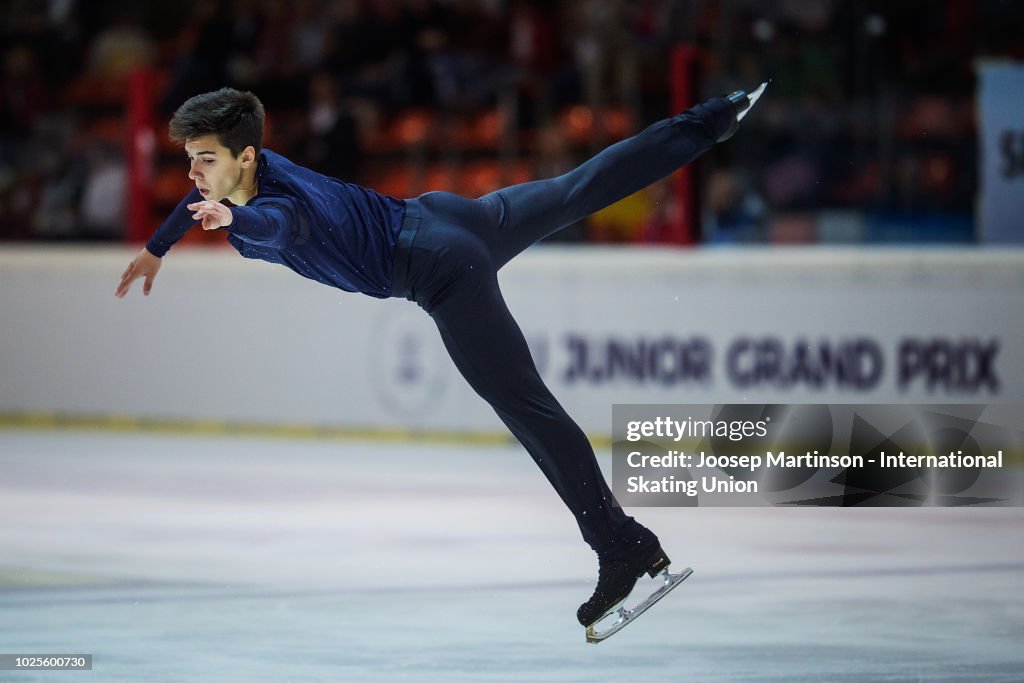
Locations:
{"points": [[741, 104], [615, 582]]}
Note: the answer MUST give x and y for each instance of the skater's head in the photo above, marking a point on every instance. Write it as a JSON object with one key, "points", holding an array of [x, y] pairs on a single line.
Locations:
{"points": [[222, 132], [235, 117]]}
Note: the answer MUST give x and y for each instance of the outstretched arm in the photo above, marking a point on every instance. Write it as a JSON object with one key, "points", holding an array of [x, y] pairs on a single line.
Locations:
{"points": [[147, 262], [144, 265], [174, 228], [267, 225], [212, 215]]}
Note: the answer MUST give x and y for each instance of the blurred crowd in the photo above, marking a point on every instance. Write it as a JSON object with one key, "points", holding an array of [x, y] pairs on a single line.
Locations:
{"points": [[870, 111]]}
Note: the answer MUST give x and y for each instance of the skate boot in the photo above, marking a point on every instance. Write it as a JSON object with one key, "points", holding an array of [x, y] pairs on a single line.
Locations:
{"points": [[616, 579], [741, 104]]}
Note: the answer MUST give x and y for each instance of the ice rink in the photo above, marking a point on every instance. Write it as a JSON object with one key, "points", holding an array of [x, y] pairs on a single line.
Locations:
{"points": [[232, 558]]}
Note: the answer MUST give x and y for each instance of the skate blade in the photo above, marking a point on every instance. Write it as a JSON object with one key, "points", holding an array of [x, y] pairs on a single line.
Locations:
{"points": [[624, 616], [753, 97]]}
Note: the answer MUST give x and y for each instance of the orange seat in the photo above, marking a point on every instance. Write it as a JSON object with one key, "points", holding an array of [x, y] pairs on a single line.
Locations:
{"points": [[579, 123], [482, 131], [408, 128], [395, 180], [441, 176], [482, 177], [109, 129]]}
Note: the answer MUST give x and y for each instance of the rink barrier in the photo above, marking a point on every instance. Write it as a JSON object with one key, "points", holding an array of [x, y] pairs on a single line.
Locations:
{"points": [[132, 424], [227, 341]]}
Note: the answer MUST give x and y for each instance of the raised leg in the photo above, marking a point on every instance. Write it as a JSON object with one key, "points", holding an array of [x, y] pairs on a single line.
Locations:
{"points": [[531, 211]]}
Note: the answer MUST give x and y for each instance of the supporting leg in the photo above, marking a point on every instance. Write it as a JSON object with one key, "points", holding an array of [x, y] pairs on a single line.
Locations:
{"points": [[490, 351]]}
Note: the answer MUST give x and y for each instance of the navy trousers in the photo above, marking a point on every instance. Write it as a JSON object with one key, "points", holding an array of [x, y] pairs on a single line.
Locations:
{"points": [[447, 258]]}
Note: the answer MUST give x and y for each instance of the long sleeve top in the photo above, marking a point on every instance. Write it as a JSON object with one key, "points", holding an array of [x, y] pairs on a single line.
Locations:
{"points": [[336, 233]]}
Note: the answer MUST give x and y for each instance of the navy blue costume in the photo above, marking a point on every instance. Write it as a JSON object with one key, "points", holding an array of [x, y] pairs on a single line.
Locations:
{"points": [[443, 251]]}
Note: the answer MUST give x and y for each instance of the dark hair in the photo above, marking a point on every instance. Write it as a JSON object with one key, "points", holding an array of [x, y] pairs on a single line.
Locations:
{"points": [[235, 117]]}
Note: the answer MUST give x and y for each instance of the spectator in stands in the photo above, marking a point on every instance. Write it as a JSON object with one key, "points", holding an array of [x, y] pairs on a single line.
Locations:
{"points": [[332, 144], [206, 48], [118, 49], [103, 200]]}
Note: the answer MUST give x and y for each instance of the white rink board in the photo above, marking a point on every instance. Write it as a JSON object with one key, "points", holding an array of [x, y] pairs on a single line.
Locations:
{"points": [[222, 338]]}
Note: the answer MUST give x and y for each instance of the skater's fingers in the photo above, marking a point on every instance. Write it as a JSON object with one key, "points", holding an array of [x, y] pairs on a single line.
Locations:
{"points": [[145, 264], [204, 207], [125, 283], [123, 288], [208, 218], [200, 209], [148, 284]]}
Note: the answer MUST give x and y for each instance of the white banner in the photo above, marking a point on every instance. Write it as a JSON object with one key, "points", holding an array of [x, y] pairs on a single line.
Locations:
{"points": [[1001, 152], [221, 338]]}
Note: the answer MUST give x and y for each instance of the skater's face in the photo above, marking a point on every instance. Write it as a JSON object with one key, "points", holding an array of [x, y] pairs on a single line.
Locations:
{"points": [[216, 172]]}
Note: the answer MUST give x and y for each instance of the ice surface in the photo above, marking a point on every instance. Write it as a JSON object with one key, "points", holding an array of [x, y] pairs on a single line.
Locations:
{"points": [[238, 559]]}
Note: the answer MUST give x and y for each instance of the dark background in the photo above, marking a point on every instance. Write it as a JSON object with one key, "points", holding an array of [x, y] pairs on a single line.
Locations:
{"points": [[867, 133]]}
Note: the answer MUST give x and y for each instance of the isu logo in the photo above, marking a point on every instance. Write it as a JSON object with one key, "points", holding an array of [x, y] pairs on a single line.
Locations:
{"points": [[409, 365]]}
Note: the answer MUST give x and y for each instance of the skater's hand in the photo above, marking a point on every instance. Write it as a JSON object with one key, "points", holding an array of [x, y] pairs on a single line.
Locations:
{"points": [[144, 265], [212, 215]]}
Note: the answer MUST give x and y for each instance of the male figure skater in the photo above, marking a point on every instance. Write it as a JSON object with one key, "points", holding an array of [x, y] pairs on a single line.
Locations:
{"points": [[442, 251]]}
